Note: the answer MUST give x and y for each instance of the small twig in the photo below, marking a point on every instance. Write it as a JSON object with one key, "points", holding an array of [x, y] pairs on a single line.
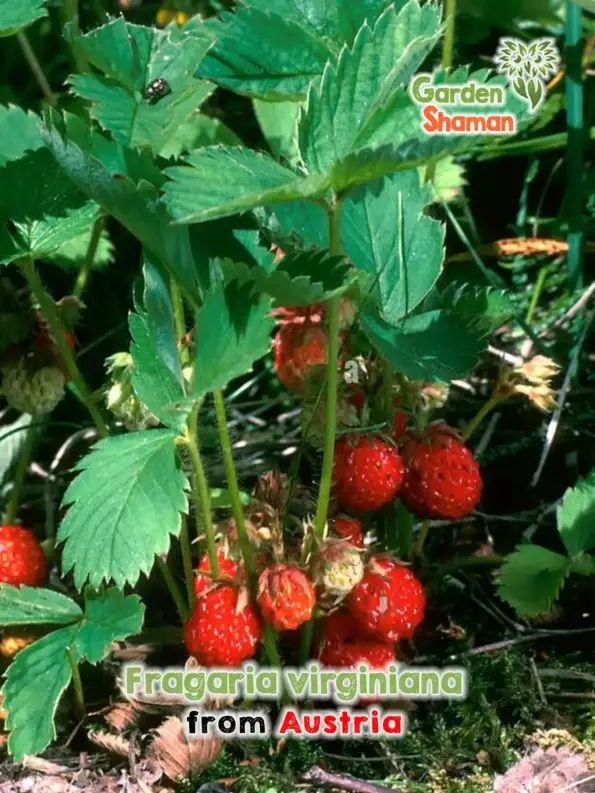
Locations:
{"points": [[576, 307], [317, 776], [567, 674], [555, 420], [538, 682], [36, 68]]}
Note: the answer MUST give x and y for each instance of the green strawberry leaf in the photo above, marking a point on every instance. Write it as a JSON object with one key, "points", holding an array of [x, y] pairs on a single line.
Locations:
{"points": [[198, 131], [19, 133], [243, 335], [196, 191], [35, 682], [35, 606], [433, 346], [41, 219], [264, 53], [347, 100], [18, 14], [157, 377], [297, 279], [41, 672], [12, 438], [73, 254], [125, 504], [353, 13], [109, 616], [278, 122], [123, 182], [576, 516], [131, 57], [531, 578], [385, 233]]}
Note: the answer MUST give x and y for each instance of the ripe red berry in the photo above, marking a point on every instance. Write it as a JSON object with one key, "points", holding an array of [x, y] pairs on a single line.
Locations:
{"points": [[22, 560], [389, 602], [297, 349], [367, 473], [222, 630], [350, 529], [442, 479], [343, 645], [228, 568], [285, 596]]}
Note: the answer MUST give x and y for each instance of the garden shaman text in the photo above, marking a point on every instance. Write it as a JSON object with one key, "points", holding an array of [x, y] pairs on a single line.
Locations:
{"points": [[439, 122]]}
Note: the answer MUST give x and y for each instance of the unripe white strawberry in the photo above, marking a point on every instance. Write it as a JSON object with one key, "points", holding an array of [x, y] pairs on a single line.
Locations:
{"points": [[33, 390], [337, 569], [121, 399]]}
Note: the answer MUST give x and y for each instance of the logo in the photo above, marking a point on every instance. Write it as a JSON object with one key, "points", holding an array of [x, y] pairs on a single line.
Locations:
{"points": [[528, 66]]}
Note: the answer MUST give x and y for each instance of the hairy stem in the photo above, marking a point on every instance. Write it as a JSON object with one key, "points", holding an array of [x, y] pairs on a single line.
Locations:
{"points": [[232, 484], [179, 318], [493, 402], [20, 475], [77, 686], [48, 309], [187, 561], [174, 589], [36, 68], [422, 537], [83, 276], [450, 13], [330, 429], [201, 491]]}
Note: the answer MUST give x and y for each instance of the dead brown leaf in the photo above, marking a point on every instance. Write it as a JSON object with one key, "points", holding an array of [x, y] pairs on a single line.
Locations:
{"points": [[176, 755]]}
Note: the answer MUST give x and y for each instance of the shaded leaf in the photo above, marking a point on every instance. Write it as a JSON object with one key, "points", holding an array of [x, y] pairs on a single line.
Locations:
{"points": [[35, 606], [44, 218], [73, 254], [18, 14], [576, 516], [197, 191], [243, 335], [278, 122], [12, 437], [122, 182], [297, 279], [125, 503], [19, 132], [531, 578]]}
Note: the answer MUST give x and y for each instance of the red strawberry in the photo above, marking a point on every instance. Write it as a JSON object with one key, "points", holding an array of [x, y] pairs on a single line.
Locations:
{"points": [[389, 602], [22, 560], [297, 349], [350, 529], [343, 645], [367, 474], [443, 479], [285, 596], [228, 568], [222, 630]]}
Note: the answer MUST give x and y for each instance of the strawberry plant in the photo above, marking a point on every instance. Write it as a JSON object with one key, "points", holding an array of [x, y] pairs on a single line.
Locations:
{"points": [[313, 253]]}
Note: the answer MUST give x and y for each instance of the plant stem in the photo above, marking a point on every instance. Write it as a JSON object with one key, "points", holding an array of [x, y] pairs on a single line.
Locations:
{"points": [[387, 391], [493, 402], [36, 68], [575, 157], [174, 589], [20, 475], [83, 276], [201, 491], [179, 317], [330, 429], [421, 540], [450, 13], [48, 309], [77, 685], [538, 289], [532, 146], [232, 484], [187, 561]]}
